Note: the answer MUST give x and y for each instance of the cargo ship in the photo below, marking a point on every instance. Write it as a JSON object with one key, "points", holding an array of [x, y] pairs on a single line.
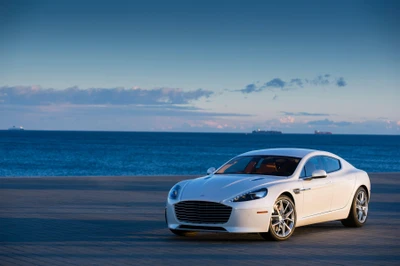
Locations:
{"points": [[267, 132], [317, 132], [14, 128]]}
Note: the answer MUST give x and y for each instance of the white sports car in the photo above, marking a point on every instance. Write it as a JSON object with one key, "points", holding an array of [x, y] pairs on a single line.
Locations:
{"points": [[270, 192]]}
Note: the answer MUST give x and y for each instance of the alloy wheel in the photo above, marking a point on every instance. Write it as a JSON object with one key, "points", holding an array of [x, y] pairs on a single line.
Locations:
{"points": [[362, 206], [283, 218]]}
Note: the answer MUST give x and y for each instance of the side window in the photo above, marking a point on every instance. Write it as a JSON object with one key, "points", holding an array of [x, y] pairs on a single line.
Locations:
{"points": [[303, 173], [313, 164], [331, 164]]}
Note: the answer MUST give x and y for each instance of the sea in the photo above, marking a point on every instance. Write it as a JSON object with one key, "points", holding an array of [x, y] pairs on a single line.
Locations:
{"points": [[85, 153]]}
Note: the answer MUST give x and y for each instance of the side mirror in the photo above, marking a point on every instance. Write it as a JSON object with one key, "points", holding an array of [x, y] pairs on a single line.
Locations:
{"points": [[316, 174], [319, 174], [210, 170]]}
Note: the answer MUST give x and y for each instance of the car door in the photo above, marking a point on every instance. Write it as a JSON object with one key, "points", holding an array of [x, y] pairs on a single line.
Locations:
{"points": [[342, 182], [317, 192]]}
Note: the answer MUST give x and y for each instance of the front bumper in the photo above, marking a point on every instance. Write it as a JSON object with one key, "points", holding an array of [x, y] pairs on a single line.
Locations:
{"points": [[243, 219]]}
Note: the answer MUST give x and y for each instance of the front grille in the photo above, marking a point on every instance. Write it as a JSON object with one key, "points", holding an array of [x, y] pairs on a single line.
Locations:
{"points": [[202, 212]]}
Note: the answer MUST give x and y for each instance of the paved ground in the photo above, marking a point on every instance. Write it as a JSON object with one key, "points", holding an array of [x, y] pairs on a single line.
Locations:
{"points": [[119, 221]]}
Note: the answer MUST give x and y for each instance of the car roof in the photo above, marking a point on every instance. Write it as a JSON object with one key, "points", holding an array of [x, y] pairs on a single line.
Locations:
{"points": [[290, 152]]}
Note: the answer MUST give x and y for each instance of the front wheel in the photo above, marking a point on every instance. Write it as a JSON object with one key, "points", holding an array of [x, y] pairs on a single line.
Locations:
{"points": [[283, 220], [359, 210]]}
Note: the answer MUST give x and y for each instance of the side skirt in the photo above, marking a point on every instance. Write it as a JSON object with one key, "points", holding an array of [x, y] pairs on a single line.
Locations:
{"points": [[325, 217]]}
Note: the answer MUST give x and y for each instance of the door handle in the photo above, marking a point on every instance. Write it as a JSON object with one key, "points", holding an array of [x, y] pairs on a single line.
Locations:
{"points": [[298, 190]]}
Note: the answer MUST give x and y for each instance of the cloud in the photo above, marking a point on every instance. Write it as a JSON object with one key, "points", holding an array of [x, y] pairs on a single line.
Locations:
{"points": [[161, 109], [295, 83], [298, 82], [304, 114], [320, 80], [34, 95], [390, 123], [119, 118], [327, 122], [276, 83], [250, 88], [118, 110], [336, 127], [287, 120], [219, 125], [340, 82]]}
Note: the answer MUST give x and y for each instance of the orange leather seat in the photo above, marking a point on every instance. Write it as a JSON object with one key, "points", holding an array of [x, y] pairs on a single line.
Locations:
{"points": [[250, 167], [267, 168]]}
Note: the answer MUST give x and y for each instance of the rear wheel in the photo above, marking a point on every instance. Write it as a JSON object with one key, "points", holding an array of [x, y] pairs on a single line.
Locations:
{"points": [[283, 220], [182, 232], [359, 210]]}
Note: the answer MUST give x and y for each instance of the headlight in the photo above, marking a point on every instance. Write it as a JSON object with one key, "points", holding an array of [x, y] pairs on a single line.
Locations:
{"points": [[174, 193], [253, 195]]}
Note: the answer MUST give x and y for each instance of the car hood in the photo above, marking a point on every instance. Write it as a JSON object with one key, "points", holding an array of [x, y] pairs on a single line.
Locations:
{"points": [[221, 187]]}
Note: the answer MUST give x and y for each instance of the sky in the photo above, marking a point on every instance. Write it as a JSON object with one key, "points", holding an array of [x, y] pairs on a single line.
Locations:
{"points": [[201, 66]]}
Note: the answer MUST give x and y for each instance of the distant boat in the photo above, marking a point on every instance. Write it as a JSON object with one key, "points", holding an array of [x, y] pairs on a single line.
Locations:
{"points": [[267, 132], [14, 128], [317, 132]]}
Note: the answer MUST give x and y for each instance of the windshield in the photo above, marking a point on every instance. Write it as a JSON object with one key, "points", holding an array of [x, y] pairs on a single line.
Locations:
{"points": [[260, 165]]}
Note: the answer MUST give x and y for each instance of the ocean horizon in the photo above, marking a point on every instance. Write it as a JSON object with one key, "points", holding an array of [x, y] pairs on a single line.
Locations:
{"points": [[194, 132], [124, 153]]}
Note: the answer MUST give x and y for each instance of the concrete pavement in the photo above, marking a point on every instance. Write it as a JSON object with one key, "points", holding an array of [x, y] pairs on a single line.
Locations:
{"points": [[120, 221]]}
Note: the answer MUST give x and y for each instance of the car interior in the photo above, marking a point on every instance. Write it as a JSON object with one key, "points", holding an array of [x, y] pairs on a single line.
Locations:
{"points": [[262, 165]]}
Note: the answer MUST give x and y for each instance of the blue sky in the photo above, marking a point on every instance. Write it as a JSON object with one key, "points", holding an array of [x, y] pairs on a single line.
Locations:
{"points": [[208, 66]]}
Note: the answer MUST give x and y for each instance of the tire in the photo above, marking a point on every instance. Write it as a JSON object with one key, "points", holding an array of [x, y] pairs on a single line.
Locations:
{"points": [[358, 214], [283, 220], [182, 232]]}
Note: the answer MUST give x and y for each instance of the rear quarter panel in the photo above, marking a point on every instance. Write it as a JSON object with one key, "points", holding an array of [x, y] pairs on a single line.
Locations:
{"points": [[362, 179]]}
